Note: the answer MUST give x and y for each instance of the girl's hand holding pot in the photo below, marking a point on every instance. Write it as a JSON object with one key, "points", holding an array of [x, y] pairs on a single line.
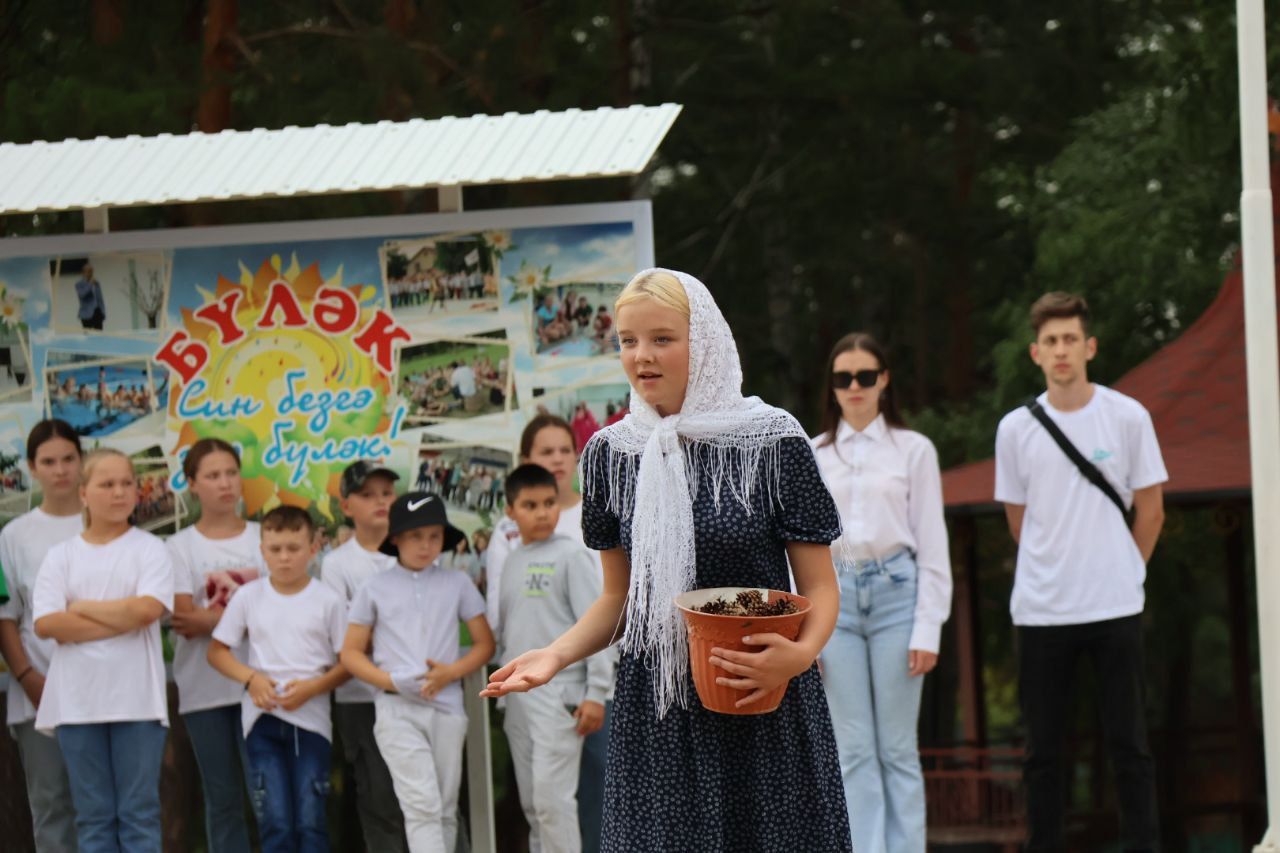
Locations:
{"points": [[532, 669], [774, 665]]}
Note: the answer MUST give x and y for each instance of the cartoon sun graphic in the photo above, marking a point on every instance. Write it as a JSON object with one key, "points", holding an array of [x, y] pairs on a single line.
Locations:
{"points": [[253, 368]]}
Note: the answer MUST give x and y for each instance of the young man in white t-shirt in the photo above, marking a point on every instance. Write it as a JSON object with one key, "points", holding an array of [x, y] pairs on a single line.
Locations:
{"points": [[367, 490], [294, 625], [1078, 588]]}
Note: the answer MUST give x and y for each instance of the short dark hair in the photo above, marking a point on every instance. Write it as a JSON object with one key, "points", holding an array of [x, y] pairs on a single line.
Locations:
{"points": [[536, 425], [288, 518], [47, 429], [202, 448], [528, 476], [1057, 305]]}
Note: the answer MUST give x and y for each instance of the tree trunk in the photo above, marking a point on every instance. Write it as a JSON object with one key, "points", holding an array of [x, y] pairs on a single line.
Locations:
{"points": [[217, 64], [535, 77], [635, 69], [959, 372], [399, 18], [107, 22]]}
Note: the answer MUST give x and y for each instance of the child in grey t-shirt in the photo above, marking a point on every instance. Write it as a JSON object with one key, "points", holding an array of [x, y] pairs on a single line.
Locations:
{"points": [[547, 584]]}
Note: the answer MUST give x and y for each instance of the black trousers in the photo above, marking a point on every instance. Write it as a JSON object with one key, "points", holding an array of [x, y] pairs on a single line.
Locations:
{"points": [[1048, 660]]}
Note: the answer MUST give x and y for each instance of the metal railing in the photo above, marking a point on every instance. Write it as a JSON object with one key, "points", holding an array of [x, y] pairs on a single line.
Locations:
{"points": [[974, 795]]}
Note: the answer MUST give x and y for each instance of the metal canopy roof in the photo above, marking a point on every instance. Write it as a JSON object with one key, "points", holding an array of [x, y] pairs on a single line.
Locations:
{"points": [[322, 160]]}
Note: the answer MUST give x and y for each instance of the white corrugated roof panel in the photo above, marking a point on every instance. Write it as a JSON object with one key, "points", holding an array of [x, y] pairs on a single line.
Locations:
{"points": [[197, 167]]}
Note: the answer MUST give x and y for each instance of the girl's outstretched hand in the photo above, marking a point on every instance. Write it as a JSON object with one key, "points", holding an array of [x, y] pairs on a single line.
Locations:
{"points": [[530, 670], [760, 672]]}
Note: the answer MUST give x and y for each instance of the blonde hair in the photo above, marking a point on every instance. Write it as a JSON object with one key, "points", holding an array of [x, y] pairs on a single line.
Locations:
{"points": [[658, 285], [89, 463]]}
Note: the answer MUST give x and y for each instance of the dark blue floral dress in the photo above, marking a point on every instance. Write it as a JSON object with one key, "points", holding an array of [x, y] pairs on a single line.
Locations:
{"points": [[717, 783]]}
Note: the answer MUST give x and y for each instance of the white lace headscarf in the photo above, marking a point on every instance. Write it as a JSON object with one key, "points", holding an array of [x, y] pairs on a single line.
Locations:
{"points": [[649, 458]]}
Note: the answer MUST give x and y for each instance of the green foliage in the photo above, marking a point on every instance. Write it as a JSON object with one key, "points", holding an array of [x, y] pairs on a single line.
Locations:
{"points": [[397, 264], [921, 171]]}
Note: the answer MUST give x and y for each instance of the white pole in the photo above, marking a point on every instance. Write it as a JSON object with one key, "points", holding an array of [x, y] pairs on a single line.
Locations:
{"points": [[1263, 363], [479, 759]]}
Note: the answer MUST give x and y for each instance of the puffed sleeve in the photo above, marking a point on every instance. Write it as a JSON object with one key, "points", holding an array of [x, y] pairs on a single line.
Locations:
{"points": [[803, 508], [601, 529]]}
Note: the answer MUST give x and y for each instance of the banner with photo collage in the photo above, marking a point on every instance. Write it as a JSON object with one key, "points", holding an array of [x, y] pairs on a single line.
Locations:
{"points": [[425, 342]]}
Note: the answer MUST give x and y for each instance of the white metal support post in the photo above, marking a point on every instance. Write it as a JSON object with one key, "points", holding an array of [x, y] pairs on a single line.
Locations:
{"points": [[1263, 363], [449, 199], [479, 760], [96, 220]]}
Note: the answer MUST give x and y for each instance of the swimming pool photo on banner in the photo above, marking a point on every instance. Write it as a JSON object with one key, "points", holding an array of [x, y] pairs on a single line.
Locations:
{"points": [[102, 397]]}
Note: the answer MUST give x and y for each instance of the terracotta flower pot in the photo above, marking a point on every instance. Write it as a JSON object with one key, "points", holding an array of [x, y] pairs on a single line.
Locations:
{"points": [[710, 631]]}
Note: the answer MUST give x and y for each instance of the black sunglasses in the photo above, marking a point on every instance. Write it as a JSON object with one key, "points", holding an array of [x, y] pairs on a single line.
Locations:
{"points": [[865, 378]]}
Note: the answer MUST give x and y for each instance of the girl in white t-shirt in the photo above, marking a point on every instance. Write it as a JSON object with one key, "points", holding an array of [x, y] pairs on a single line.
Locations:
{"points": [[895, 593], [53, 457], [548, 441], [211, 560], [101, 595]]}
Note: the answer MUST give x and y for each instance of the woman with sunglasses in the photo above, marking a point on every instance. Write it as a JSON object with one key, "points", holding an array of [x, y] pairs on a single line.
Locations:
{"points": [[895, 593]]}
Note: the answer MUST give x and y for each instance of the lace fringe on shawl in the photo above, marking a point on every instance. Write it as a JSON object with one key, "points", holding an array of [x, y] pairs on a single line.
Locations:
{"points": [[654, 626]]}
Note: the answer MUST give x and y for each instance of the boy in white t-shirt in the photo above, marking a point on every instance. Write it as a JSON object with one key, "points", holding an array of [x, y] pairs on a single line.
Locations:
{"points": [[409, 617], [367, 490], [1078, 587], [294, 626]]}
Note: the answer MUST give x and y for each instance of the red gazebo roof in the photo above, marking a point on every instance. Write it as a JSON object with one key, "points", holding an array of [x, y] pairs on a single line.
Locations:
{"points": [[1195, 390]]}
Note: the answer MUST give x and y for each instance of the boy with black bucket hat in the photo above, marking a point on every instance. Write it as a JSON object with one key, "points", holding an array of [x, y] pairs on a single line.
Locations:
{"points": [[402, 637], [367, 490]]}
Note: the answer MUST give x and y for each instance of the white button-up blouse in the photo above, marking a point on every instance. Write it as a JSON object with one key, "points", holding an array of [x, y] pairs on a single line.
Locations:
{"points": [[887, 486]]}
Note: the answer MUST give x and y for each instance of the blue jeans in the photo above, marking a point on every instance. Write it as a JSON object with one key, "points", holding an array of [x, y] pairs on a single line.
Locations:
{"points": [[218, 744], [289, 786], [591, 784], [875, 704], [114, 770]]}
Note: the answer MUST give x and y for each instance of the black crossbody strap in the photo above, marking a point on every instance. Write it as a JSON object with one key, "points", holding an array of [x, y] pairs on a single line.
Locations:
{"points": [[1087, 468]]}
